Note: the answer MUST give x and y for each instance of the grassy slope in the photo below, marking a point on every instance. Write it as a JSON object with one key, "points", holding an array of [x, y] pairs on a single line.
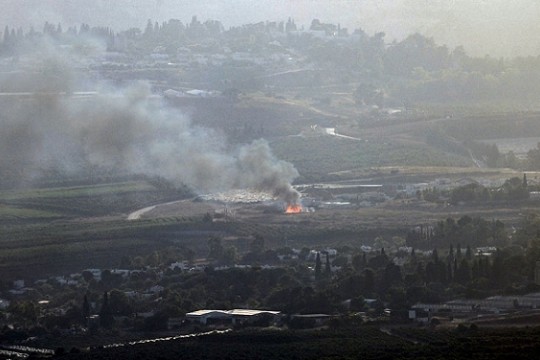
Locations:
{"points": [[58, 228], [69, 202]]}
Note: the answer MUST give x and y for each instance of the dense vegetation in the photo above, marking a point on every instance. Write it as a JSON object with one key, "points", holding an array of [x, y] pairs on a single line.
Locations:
{"points": [[353, 343]]}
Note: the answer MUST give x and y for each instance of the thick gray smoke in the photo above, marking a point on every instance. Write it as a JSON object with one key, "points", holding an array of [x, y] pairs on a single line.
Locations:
{"points": [[123, 131]]}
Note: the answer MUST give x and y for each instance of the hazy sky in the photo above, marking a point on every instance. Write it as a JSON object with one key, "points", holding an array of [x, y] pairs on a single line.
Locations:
{"points": [[495, 27]]}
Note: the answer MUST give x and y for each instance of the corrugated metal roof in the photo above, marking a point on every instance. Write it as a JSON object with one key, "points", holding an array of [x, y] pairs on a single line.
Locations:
{"points": [[206, 312], [234, 312], [249, 312]]}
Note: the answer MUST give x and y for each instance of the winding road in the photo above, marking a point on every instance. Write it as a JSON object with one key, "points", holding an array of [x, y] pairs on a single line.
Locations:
{"points": [[136, 215]]}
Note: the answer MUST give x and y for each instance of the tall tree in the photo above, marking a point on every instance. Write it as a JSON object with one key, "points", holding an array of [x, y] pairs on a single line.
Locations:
{"points": [[468, 253], [148, 31], [463, 274], [106, 318], [435, 255], [318, 264], [368, 283], [391, 276], [86, 308], [449, 274], [328, 267], [6, 35]]}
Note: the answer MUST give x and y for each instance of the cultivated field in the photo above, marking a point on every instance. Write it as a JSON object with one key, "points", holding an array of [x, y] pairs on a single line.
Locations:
{"points": [[60, 228]]}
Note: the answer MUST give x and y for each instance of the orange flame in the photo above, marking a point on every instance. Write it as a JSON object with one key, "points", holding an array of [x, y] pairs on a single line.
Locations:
{"points": [[293, 209]]}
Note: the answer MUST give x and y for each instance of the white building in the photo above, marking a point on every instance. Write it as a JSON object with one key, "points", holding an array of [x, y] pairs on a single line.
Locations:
{"points": [[235, 316]]}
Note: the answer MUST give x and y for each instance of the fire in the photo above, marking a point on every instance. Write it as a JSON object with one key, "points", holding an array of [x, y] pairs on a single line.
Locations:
{"points": [[293, 209]]}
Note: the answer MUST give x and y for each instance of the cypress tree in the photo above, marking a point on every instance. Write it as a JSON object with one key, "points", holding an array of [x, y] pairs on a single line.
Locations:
{"points": [[318, 264], [106, 318], [463, 274], [364, 260], [86, 308], [468, 253], [475, 270], [435, 255], [328, 268]]}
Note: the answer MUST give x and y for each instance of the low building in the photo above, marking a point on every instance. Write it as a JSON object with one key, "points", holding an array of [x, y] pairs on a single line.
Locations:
{"points": [[473, 307], [235, 316], [207, 317], [316, 319], [424, 312], [419, 315], [124, 273], [247, 316], [182, 265]]}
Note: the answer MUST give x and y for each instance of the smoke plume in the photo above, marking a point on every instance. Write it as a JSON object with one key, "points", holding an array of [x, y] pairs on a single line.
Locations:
{"points": [[120, 130]]}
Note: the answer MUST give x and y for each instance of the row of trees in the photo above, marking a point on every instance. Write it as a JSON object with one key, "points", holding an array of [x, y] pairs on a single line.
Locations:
{"points": [[512, 190], [17, 41], [492, 157], [466, 230]]}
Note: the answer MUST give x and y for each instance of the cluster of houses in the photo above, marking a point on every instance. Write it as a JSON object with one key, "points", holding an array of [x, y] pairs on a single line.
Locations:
{"points": [[21, 290], [461, 308]]}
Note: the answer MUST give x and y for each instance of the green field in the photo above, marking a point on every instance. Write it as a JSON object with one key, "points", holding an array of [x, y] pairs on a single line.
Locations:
{"points": [[318, 157]]}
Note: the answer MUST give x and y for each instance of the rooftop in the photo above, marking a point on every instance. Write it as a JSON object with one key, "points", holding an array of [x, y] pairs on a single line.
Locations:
{"points": [[234, 312]]}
